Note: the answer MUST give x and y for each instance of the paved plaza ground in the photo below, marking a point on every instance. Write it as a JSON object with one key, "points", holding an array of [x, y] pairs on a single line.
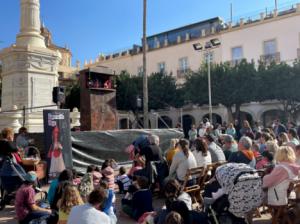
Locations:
{"points": [[8, 215]]}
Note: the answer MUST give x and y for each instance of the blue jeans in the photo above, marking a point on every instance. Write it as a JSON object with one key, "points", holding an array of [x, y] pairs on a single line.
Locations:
{"points": [[51, 218]]}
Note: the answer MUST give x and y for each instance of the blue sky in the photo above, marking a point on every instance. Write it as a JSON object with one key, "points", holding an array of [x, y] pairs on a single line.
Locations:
{"points": [[90, 27]]}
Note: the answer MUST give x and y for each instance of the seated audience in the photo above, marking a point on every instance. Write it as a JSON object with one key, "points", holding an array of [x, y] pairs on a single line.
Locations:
{"points": [[91, 212], [245, 154], [229, 146], [66, 175], [141, 201], [123, 180], [266, 161], [96, 176], [201, 153], [182, 161], [7, 145], [283, 139], [108, 173], [172, 150], [297, 152], [136, 165], [278, 181], [86, 185], [25, 205], [108, 205], [70, 198], [293, 138], [174, 218], [217, 154]]}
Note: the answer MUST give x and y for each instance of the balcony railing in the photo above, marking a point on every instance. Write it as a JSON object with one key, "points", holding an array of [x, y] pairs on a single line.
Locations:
{"points": [[269, 58], [181, 73]]}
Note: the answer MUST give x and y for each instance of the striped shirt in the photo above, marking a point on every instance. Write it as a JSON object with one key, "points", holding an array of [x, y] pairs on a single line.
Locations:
{"points": [[124, 179]]}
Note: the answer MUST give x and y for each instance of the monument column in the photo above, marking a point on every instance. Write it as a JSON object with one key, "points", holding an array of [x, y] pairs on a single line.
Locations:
{"points": [[30, 24], [29, 69]]}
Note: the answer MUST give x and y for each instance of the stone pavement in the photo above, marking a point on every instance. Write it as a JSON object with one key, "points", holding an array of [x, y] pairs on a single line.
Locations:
{"points": [[8, 215]]}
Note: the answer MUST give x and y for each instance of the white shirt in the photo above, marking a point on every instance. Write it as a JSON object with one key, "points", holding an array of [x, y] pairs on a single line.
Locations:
{"points": [[180, 164], [87, 214], [201, 160], [202, 132]]}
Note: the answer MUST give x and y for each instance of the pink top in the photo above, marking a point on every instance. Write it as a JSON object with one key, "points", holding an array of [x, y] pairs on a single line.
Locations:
{"points": [[262, 163], [133, 169], [108, 173], [24, 200], [96, 178], [279, 174]]}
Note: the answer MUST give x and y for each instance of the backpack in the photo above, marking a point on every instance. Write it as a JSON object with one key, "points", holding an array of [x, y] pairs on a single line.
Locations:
{"points": [[86, 185], [243, 186]]}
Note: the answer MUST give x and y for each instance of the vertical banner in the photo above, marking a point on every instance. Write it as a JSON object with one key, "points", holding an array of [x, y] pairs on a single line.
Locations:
{"points": [[57, 138]]}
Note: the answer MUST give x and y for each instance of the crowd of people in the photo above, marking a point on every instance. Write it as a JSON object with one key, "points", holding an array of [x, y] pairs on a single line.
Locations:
{"points": [[91, 198]]}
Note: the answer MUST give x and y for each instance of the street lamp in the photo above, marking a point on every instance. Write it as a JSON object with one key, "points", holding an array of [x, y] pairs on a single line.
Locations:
{"points": [[213, 43]]}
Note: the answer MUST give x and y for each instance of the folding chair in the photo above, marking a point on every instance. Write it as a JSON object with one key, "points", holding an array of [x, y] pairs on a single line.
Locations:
{"points": [[194, 191]]}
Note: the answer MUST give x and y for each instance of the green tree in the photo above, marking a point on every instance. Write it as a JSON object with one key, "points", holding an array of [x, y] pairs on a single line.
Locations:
{"points": [[128, 89], [163, 92]]}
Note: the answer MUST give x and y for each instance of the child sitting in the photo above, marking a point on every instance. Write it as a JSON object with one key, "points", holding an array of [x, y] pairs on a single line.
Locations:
{"points": [[141, 201], [266, 161], [123, 180], [108, 174], [136, 165], [108, 206], [96, 176]]}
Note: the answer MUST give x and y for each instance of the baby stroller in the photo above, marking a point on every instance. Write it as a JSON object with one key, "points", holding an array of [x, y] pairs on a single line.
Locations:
{"points": [[11, 178], [241, 193]]}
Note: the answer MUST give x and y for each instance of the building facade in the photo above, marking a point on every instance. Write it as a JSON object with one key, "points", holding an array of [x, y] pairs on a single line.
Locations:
{"points": [[66, 72], [268, 37]]}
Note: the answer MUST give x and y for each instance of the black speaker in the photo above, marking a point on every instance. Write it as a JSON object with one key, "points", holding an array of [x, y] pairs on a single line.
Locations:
{"points": [[58, 95]]}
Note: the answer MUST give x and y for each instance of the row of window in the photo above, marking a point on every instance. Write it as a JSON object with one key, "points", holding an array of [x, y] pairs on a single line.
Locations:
{"points": [[269, 48]]}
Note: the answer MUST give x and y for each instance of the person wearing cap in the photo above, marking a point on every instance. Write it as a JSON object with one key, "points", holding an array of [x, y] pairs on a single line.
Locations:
{"points": [[25, 205], [229, 146]]}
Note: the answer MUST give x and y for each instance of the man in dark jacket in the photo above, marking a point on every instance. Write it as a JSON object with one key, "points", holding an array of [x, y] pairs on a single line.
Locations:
{"points": [[245, 154]]}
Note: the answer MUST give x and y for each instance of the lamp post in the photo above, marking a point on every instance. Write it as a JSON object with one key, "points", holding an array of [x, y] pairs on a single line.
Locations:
{"points": [[208, 47], [145, 78]]}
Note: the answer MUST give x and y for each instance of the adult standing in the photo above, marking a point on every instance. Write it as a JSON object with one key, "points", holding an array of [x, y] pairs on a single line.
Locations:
{"points": [[22, 140], [192, 134], [231, 130], [246, 129], [217, 154], [155, 166]]}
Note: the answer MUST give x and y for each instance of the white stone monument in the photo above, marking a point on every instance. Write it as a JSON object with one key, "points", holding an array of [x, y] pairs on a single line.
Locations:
{"points": [[29, 69]]}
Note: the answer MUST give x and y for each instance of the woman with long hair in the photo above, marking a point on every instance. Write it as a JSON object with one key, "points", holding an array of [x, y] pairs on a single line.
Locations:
{"points": [[201, 153], [182, 161], [70, 198]]}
